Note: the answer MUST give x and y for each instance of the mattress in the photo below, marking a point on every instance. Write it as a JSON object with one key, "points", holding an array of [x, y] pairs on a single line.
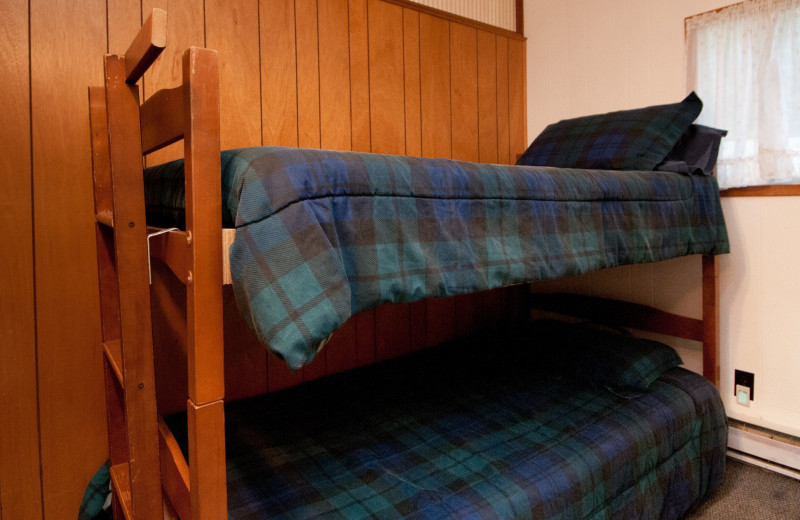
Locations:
{"points": [[322, 235], [482, 429]]}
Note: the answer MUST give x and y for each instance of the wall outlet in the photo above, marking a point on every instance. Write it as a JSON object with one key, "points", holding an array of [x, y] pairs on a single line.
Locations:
{"points": [[745, 380], [742, 395]]}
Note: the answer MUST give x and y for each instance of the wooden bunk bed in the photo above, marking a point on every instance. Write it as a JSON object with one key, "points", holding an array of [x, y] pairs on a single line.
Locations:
{"points": [[149, 467]]}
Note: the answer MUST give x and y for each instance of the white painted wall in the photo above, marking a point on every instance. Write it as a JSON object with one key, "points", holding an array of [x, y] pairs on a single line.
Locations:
{"points": [[590, 56]]}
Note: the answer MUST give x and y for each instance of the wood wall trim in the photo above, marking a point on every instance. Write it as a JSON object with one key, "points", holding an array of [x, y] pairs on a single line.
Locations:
{"points": [[784, 190], [465, 21]]}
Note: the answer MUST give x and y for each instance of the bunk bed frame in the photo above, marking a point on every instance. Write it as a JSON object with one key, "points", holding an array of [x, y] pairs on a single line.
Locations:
{"points": [[145, 459]]}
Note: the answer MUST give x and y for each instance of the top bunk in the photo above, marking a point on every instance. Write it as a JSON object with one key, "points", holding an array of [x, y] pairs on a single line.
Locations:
{"points": [[321, 235]]}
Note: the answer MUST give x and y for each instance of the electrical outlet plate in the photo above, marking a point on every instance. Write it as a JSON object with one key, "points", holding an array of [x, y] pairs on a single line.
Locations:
{"points": [[746, 380], [743, 395]]}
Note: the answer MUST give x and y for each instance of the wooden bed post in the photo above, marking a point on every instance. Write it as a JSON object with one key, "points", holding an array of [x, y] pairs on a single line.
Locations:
{"points": [[208, 485], [711, 319]]}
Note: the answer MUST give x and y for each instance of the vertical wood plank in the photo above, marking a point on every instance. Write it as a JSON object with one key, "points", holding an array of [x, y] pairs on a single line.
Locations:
{"points": [[434, 34], [392, 330], [168, 305], [417, 311], [387, 128], [418, 315], [464, 103], [124, 21], [364, 322], [20, 488], [335, 134], [365, 337], [308, 123], [487, 97], [386, 100], [245, 356], [278, 73], [464, 91], [517, 117], [232, 30], [71, 405], [334, 75], [340, 352], [185, 27], [359, 75], [279, 375], [411, 53], [503, 129]]}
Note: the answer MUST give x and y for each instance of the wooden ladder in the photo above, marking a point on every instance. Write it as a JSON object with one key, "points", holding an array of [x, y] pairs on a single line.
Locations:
{"points": [[144, 455]]}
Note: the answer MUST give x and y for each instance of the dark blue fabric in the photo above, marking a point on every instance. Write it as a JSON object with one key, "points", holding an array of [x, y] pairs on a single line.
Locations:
{"points": [[624, 140], [481, 429], [695, 152], [322, 235]]}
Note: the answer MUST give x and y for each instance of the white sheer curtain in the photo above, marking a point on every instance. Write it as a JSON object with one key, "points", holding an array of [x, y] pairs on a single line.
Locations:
{"points": [[744, 63]]}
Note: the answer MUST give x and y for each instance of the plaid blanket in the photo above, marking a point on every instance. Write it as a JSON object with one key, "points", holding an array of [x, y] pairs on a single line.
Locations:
{"points": [[322, 235], [497, 434]]}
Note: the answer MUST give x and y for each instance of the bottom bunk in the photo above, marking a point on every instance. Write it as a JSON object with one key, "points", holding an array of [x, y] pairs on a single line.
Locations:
{"points": [[547, 420]]}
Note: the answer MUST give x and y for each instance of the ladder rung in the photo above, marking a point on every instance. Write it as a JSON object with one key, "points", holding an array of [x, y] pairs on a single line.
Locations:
{"points": [[113, 351], [121, 484], [174, 471], [105, 218]]}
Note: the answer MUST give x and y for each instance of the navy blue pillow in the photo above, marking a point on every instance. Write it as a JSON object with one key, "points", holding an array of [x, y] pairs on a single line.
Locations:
{"points": [[695, 152], [623, 140], [623, 364]]}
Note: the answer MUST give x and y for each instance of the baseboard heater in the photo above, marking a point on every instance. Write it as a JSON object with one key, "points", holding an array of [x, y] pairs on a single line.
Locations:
{"points": [[765, 452]]}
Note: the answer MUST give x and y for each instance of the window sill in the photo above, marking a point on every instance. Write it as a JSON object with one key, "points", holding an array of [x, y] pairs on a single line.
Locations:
{"points": [[783, 190]]}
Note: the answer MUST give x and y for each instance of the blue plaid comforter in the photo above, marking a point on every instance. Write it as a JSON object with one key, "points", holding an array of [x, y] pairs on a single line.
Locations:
{"points": [[322, 235], [500, 433]]}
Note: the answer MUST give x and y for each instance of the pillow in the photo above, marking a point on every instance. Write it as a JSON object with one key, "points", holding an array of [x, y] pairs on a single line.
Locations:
{"points": [[623, 364], [624, 140], [695, 152]]}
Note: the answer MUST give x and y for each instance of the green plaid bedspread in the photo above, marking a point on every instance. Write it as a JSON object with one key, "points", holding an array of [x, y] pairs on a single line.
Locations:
{"points": [[322, 235], [497, 433]]}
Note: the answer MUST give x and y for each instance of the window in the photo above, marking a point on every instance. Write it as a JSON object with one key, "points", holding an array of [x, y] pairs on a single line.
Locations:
{"points": [[744, 63], [500, 13]]}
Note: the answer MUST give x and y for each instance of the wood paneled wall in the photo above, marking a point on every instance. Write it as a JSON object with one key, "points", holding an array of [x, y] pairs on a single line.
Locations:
{"points": [[359, 75]]}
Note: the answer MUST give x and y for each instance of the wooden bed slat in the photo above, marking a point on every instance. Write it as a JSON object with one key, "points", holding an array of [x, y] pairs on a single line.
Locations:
{"points": [[121, 481], [162, 119], [113, 352], [174, 471], [622, 314], [146, 47], [172, 248]]}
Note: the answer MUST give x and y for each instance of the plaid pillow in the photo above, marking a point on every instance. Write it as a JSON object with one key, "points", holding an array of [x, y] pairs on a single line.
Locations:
{"points": [[624, 140], [623, 364]]}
